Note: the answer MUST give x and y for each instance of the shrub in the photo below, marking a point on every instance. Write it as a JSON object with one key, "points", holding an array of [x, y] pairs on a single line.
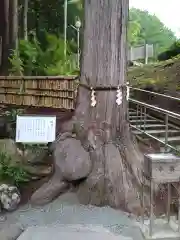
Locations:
{"points": [[34, 59], [10, 118], [11, 114], [173, 51], [11, 172]]}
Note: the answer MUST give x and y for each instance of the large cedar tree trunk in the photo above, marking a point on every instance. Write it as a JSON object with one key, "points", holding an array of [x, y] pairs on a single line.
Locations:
{"points": [[116, 175], [103, 132]]}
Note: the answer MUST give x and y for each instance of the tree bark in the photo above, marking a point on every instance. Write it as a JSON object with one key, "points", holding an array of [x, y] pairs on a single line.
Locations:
{"points": [[13, 19], [8, 31], [4, 33], [25, 20], [116, 175], [13, 23]]}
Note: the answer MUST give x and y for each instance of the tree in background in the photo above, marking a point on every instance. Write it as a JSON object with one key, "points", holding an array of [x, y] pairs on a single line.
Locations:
{"points": [[134, 29], [4, 33], [48, 16], [147, 28], [171, 52], [13, 26], [37, 18], [25, 19], [8, 31]]}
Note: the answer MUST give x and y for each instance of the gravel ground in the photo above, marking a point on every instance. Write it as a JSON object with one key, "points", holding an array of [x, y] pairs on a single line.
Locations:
{"points": [[67, 211]]}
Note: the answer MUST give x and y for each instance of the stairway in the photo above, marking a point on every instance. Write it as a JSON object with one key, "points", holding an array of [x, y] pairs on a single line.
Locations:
{"points": [[154, 127]]}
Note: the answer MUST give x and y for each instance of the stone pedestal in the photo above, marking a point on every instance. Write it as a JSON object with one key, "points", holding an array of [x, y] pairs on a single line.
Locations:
{"points": [[161, 169], [162, 230]]}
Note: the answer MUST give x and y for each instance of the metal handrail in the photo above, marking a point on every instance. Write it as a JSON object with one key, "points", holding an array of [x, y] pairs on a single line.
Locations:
{"points": [[155, 138], [154, 93], [158, 109]]}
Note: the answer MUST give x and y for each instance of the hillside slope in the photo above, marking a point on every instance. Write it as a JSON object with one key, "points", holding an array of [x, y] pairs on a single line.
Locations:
{"points": [[162, 77]]}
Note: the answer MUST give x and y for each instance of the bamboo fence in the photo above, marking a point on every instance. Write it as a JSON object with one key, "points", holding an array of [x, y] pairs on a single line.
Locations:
{"points": [[53, 92]]}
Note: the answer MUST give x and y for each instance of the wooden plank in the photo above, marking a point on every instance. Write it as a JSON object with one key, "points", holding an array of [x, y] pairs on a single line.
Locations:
{"points": [[55, 91]]}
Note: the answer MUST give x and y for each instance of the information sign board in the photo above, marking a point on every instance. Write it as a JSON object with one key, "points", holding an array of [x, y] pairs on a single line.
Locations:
{"points": [[35, 129]]}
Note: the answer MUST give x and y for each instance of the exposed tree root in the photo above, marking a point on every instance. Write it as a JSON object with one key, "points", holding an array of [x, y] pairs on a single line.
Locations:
{"points": [[117, 166], [116, 177], [50, 190]]}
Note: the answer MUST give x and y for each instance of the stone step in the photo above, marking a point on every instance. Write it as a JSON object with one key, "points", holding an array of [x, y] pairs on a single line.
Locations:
{"points": [[135, 111], [163, 149], [159, 132], [150, 126], [171, 139], [132, 110], [142, 121], [139, 117], [132, 113], [155, 127], [134, 117]]}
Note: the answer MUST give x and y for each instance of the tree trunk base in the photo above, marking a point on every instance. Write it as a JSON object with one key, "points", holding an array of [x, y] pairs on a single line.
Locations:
{"points": [[116, 176]]}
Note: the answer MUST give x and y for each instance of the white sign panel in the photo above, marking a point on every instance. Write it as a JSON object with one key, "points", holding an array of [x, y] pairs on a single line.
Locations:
{"points": [[35, 129]]}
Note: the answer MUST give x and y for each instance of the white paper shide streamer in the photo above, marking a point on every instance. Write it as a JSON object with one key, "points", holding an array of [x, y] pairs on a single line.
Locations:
{"points": [[119, 96], [128, 91], [93, 98]]}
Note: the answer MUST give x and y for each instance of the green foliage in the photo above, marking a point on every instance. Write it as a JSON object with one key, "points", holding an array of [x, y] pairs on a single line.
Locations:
{"points": [[16, 63], [28, 53], [10, 117], [133, 32], [12, 173], [48, 16], [147, 28], [43, 54], [48, 59], [173, 51], [12, 114]]}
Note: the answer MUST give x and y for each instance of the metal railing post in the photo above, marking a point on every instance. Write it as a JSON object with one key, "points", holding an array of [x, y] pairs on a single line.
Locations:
{"points": [[128, 111], [166, 132], [145, 119], [137, 109], [141, 116]]}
